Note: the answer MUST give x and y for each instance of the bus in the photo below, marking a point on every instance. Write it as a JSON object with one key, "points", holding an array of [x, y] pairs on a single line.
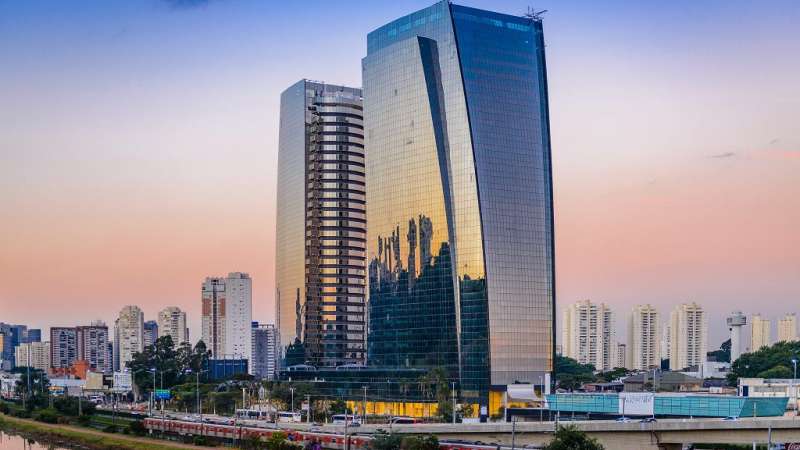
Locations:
{"points": [[252, 414], [402, 420], [342, 419], [288, 416]]}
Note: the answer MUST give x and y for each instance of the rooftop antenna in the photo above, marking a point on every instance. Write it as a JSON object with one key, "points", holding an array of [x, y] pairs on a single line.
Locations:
{"points": [[533, 14]]}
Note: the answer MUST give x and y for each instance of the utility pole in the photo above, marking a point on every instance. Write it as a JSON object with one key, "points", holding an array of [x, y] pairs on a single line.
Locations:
{"points": [[291, 389], [454, 402], [364, 406], [794, 387], [513, 432], [308, 414]]}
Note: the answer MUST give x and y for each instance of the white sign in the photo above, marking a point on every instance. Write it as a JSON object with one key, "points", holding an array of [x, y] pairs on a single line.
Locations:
{"points": [[636, 403], [122, 382]]}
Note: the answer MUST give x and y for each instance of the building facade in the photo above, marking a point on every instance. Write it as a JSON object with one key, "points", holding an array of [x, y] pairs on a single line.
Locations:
{"points": [[92, 342], [35, 355], [688, 336], [266, 351], [787, 328], [588, 334], [643, 347], [321, 231], [227, 312], [459, 195], [760, 333], [621, 357], [12, 336], [172, 322], [150, 329], [63, 347], [128, 336]]}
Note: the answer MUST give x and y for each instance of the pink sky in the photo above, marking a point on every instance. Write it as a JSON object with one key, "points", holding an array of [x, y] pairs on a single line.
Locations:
{"points": [[135, 166]]}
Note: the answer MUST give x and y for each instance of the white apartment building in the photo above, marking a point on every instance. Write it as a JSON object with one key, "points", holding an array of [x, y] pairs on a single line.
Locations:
{"points": [[92, 342], [129, 335], [787, 328], [227, 315], [643, 338], [688, 336], [35, 355], [665, 337], [588, 334], [172, 322], [760, 333], [621, 356]]}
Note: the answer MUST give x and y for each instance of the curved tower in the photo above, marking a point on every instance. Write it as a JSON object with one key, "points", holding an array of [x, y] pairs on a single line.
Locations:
{"points": [[459, 195]]}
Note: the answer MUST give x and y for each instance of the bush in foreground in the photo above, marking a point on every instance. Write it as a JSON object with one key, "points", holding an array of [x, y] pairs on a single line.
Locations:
{"points": [[571, 438]]}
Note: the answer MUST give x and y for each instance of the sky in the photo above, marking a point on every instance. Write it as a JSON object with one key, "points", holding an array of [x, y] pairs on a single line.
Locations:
{"points": [[138, 149]]}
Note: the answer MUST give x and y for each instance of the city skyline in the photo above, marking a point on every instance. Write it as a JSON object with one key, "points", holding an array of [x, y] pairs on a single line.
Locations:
{"points": [[708, 213]]}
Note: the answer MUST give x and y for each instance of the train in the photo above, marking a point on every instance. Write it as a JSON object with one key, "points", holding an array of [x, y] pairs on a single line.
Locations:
{"points": [[328, 441]]}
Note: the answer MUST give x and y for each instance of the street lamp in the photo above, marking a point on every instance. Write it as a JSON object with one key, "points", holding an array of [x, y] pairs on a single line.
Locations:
{"points": [[794, 385]]}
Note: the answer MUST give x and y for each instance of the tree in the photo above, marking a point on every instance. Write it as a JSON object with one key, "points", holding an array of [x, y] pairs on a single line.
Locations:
{"points": [[171, 365], [570, 374], [571, 438], [723, 354], [767, 362], [382, 440], [613, 374], [427, 442], [339, 407], [36, 396]]}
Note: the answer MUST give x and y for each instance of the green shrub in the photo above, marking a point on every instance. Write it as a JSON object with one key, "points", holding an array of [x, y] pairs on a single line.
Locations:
{"points": [[110, 429], [47, 416], [382, 440], [429, 442], [137, 427], [4, 408], [201, 440], [84, 420]]}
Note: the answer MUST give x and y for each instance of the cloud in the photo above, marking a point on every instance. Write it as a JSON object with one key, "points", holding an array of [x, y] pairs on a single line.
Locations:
{"points": [[186, 4], [724, 155], [774, 141]]}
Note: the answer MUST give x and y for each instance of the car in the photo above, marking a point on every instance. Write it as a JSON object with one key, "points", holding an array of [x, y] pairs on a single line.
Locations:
{"points": [[648, 420], [730, 418], [622, 419]]}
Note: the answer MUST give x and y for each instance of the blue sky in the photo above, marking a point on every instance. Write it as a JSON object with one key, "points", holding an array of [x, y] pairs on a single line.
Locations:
{"points": [[139, 144]]}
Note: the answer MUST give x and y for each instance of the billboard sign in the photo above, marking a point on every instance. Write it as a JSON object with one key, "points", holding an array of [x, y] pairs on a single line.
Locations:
{"points": [[636, 403], [123, 382], [163, 394]]}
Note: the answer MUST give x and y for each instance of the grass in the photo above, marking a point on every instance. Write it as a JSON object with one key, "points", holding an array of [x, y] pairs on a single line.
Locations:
{"points": [[78, 436]]}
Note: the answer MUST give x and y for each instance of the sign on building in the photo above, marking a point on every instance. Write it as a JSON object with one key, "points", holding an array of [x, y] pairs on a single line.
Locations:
{"points": [[636, 403], [123, 382]]}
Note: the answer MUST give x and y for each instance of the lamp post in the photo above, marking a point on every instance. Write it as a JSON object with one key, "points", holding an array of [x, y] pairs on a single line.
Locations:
{"points": [[291, 389], [794, 385]]}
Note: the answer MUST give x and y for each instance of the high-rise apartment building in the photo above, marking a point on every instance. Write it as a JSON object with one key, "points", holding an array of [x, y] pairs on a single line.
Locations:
{"points": [[459, 198], [266, 350], [643, 339], [787, 328], [12, 336], [227, 313], [621, 356], [588, 334], [150, 330], [321, 229], [128, 336], [63, 347], [760, 333], [688, 336], [35, 355], [92, 343], [172, 322]]}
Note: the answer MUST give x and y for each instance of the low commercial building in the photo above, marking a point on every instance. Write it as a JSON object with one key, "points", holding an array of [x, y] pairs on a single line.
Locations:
{"points": [[647, 404], [770, 388], [662, 381]]}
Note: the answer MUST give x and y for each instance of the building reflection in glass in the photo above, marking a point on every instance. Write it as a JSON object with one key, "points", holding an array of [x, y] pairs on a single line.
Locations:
{"points": [[459, 197]]}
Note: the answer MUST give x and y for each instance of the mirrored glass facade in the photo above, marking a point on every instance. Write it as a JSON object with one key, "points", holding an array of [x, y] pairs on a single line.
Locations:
{"points": [[459, 195], [321, 229]]}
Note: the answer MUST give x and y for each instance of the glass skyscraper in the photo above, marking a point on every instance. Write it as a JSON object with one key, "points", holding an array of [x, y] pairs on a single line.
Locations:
{"points": [[459, 197], [321, 225]]}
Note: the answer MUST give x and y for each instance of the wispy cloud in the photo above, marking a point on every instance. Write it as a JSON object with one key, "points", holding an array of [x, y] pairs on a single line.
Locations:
{"points": [[186, 4], [774, 141], [724, 155]]}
